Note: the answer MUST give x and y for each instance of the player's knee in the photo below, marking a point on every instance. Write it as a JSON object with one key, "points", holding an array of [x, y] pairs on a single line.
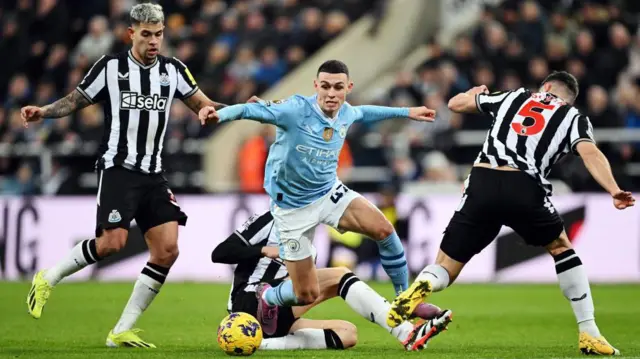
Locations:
{"points": [[111, 241], [166, 254], [384, 231], [348, 334], [560, 245], [307, 295]]}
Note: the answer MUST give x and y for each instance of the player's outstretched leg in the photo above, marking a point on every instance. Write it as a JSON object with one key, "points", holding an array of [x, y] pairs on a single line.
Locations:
{"points": [[371, 306], [162, 241], [574, 283], [83, 254], [315, 334], [433, 278]]}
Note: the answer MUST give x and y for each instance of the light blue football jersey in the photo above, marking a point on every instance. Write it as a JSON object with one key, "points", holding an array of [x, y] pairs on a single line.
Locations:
{"points": [[303, 160]]}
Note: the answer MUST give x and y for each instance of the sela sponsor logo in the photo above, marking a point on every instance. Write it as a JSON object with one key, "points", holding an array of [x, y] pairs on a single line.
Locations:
{"points": [[135, 101]]}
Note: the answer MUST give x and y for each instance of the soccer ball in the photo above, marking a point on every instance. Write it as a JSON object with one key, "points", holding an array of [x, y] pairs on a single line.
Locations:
{"points": [[239, 334]]}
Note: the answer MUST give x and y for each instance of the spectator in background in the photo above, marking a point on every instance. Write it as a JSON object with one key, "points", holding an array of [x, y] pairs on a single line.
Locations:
{"points": [[22, 183], [271, 68], [244, 66], [95, 43], [530, 29], [19, 92]]}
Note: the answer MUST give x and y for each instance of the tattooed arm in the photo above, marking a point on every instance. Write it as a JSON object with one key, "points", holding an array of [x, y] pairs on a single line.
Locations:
{"points": [[61, 108], [199, 100]]}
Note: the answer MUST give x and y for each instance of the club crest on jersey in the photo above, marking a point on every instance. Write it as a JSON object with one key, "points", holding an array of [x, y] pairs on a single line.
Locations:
{"points": [[327, 134], [164, 80], [343, 131]]}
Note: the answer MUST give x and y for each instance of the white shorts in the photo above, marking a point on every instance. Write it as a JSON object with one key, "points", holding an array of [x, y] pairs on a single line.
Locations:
{"points": [[296, 226]]}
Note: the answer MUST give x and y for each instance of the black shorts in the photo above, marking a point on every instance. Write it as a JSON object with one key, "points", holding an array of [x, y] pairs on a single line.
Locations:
{"points": [[124, 195], [495, 198], [247, 302]]}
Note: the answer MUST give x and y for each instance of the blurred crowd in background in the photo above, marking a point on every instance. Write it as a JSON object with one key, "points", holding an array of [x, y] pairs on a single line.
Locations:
{"points": [[517, 45], [238, 48], [235, 49]]}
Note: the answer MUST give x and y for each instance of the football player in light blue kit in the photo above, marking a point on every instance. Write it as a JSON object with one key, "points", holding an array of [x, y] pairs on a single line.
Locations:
{"points": [[301, 179]]}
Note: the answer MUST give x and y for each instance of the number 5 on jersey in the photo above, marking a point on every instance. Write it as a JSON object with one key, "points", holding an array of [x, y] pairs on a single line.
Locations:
{"points": [[532, 110]]}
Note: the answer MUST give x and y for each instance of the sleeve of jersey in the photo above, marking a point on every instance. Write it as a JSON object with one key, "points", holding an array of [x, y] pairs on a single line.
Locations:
{"points": [[264, 111], [235, 250], [187, 85], [581, 130], [94, 84], [490, 103], [369, 114]]}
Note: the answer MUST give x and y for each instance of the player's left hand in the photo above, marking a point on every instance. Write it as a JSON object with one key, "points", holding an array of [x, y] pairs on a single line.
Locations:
{"points": [[422, 113], [207, 113], [270, 252], [623, 199]]}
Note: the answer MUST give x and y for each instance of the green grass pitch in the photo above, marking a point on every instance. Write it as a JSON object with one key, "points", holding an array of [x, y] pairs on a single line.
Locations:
{"points": [[490, 321]]}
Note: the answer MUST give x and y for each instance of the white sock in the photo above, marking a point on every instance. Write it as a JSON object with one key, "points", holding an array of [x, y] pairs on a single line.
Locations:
{"points": [[83, 254], [575, 287], [144, 291], [370, 305], [436, 275], [308, 338]]}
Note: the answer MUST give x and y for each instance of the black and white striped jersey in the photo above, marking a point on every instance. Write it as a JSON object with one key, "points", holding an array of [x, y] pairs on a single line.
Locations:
{"points": [[257, 231], [137, 99], [531, 131]]}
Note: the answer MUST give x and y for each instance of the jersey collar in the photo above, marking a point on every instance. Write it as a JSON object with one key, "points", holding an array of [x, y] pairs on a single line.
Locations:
{"points": [[140, 63], [323, 115]]}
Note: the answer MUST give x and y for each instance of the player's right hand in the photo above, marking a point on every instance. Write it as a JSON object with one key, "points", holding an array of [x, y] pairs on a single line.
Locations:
{"points": [[207, 113], [30, 114], [623, 199], [271, 252]]}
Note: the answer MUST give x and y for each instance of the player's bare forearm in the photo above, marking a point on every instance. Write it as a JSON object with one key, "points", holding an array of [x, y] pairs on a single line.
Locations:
{"points": [[66, 105], [463, 103], [598, 165], [199, 100]]}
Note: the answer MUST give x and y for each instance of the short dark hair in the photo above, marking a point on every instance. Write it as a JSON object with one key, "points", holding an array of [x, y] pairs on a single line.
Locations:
{"points": [[566, 79], [333, 67]]}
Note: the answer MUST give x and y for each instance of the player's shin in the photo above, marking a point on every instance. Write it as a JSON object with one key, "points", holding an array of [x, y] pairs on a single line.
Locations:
{"points": [[82, 255], [370, 305], [394, 261], [436, 275], [575, 287], [282, 295], [308, 338], [144, 291]]}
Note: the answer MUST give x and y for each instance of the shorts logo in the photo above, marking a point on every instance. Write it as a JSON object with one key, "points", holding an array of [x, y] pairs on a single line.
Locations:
{"points": [[172, 198], [164, 80], [114, 216], [327, 134], [293, 245], [343, 131]]}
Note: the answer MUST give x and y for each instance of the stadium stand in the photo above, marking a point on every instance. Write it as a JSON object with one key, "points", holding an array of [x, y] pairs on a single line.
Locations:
{"points": [[234, 48], [514, 44]]}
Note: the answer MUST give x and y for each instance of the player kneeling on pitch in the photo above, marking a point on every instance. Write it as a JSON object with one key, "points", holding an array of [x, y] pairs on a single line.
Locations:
{"points": [[254, 247]]}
